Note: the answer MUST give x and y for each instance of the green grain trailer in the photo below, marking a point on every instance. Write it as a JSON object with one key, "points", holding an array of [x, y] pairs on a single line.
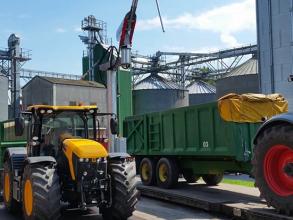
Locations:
{"points": [[8, 139], [194, 141], [208, 140], [199, 141]]}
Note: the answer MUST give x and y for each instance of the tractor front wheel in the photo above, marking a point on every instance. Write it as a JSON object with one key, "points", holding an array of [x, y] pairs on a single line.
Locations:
{"points": [[41, 193], [273, 167], [124, 192]]}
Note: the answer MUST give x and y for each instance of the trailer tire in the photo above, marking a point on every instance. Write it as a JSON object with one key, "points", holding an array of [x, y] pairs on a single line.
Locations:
{"points": [[41, 193], [190, 177], [212, 179], [274, 146], [167, 173], [147, 171], [124, 192], [10, 203]]}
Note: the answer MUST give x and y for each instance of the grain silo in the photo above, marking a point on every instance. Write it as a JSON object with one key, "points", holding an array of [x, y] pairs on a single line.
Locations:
{"points": [[275, 37], [243, 79], [154, 93], [201, 92], [3, 98]]}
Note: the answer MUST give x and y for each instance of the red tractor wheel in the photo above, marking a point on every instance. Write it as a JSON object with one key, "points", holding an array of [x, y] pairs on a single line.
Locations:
{"points": [[273, 167]]}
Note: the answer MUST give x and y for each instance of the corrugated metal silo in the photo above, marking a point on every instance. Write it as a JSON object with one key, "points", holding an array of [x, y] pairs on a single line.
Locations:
{"points": [[154, 93], [275, 37], [243, 79], [3, 98], [201, 92]]}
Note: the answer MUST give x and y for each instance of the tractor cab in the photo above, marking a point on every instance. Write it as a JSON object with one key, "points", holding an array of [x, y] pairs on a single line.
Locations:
{"points": [[50, 126]]}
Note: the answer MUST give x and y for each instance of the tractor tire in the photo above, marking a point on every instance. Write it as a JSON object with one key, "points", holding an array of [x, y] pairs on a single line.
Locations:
{"points": [[272, 154], [41, 193], [212, 179], [147, 171], [167, 173], [10, 203], [124, 192], [190, 177]]}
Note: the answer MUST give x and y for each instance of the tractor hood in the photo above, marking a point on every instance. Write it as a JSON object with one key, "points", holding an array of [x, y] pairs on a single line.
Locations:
{"points": [[84, 148]]}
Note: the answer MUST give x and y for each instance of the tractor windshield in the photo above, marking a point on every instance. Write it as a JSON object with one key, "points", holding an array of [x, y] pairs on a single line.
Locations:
{"points": [[64, 125]]}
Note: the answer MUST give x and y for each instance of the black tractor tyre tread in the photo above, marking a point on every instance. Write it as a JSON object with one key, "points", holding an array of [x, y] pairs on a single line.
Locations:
{"points": [[46, 192], [212, 179], [124, 192], [12, 206], [277, 134], [151, 162], [174, 173]]}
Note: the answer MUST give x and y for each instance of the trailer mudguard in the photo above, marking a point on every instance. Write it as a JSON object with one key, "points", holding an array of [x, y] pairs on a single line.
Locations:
{"points": [[40, 159], [283, 118]]}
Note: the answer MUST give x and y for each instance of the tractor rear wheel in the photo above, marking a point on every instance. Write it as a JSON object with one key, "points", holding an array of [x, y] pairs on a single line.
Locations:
{"points": [[167, 173], [147, 171], [41, 193], [212, 179], [272, 167], [10, 203], [124, 192]]}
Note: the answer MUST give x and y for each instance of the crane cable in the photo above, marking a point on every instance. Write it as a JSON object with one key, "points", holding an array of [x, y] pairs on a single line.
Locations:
{"points": [[160, 16]]}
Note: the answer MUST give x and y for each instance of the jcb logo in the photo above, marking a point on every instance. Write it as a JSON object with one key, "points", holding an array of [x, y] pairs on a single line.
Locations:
{"points": [[205, 144]]}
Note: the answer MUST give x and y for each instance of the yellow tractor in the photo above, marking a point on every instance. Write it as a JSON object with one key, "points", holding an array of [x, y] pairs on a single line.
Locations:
{"points": [[63, 163]]}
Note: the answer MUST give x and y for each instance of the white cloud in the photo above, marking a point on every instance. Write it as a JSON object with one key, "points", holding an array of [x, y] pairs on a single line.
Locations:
{"points": [[226, 20], [229, 40], [60, 30], [77, 29]]}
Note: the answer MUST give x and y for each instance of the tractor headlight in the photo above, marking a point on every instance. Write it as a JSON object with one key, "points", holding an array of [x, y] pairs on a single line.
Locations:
{"points": [[86, 160], [81, 159]]}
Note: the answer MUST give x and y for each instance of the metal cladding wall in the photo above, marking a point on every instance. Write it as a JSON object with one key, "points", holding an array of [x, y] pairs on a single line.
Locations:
{"points": [[84, 95], [41, 91], [196, 99], [3, 98], [238, 84], [37, 92], [201, 92], [154, 100], [124, 96], [275, 38]]}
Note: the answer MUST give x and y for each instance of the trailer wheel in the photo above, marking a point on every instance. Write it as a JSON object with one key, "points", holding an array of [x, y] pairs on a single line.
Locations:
{"points": [[41, 193], [272, 167], [167, 173], [190, 177], [212, 179], [147, 171], [124, 192], [10, 203]]}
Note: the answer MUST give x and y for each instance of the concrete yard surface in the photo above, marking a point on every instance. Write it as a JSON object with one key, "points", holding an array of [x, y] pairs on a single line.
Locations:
{"points": [[147, 209], [231, 200]]}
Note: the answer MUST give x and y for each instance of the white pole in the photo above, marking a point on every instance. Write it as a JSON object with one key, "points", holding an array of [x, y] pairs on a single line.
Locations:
{"points": [[112, 103]]}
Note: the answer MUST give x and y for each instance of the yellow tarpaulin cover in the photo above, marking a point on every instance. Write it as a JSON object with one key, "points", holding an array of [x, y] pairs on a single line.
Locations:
{"points": [[251, 107]]}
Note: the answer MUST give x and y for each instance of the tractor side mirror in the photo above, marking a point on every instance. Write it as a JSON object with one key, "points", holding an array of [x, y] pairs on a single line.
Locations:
{"points": [[19, 126], [114, 126]]}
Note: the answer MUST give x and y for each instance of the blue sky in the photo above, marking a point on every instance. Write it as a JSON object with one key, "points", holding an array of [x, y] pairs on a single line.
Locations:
{"points": [[50, 28]]}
